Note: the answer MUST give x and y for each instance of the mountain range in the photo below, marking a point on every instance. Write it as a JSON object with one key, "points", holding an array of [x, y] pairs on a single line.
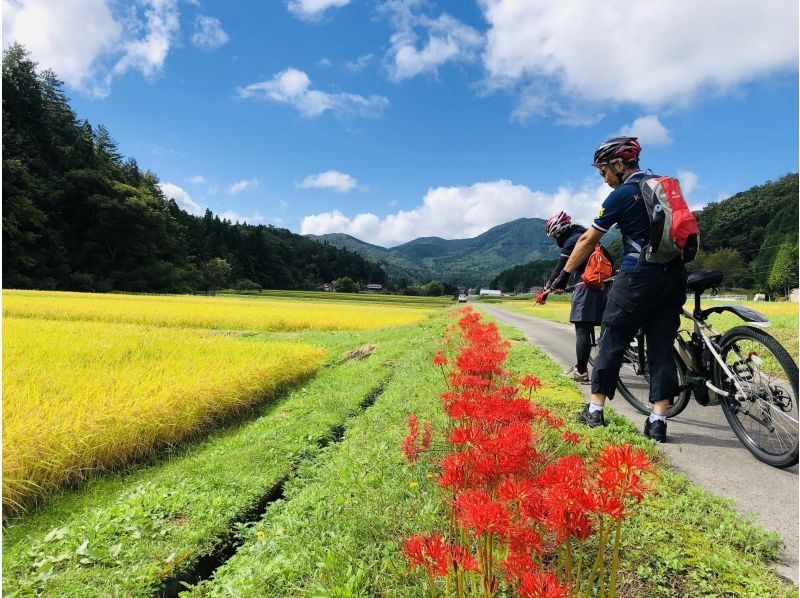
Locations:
{"points": [[462, 262]]}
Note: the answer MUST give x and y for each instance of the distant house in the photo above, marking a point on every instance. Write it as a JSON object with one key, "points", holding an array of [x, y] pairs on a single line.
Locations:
{"points": [[374, 288], [490, 292], [328, 286], [794, 295]]}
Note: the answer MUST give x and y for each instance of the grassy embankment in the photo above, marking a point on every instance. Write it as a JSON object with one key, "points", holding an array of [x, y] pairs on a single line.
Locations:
{"points": [[126, 533], [350, 508]]}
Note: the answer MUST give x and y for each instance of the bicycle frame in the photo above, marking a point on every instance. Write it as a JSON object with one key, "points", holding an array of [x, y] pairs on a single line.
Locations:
{"points": [[703, 330]]}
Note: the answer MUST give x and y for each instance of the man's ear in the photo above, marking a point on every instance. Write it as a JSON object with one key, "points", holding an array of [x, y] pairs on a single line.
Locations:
{"points": [[618, 167]]}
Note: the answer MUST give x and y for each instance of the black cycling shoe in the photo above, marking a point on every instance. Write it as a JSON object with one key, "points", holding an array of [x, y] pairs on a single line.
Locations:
{"points": [[592, 420], [656, 430]]}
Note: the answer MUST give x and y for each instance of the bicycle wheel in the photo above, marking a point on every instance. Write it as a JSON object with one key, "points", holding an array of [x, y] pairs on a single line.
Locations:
{"points": [[634, 380], [761, 400]]}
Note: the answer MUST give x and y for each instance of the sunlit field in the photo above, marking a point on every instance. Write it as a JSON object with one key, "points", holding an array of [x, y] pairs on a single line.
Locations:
{"points": [[83, 396], [217, 313], [783, 316]]}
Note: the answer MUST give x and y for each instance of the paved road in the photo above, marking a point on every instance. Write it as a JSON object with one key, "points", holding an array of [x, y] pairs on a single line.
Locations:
{"points": [[701, 444]]}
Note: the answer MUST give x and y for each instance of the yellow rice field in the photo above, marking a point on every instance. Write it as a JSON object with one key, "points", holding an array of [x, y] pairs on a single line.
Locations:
{"points": [[218, 313], [83, 396]]}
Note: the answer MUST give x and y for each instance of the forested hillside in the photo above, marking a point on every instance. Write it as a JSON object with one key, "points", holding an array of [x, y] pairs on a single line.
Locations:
{"points": [[461, 262], [77, 216], [753, 236]]}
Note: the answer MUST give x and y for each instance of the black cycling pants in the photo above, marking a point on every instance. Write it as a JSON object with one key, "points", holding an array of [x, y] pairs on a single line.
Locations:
{"points": [[583, 344], [647, 299]]}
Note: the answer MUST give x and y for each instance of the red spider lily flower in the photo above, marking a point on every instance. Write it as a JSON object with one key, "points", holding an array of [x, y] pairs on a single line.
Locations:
{"points": [[541, 584], [619, 471], [440, 359], [510, 449], [565, 503], [460, 469], [570, 437], [610, 505], [507, 392], [525, 539], [481, 360], [427, 434], [429, 552], [468, 381], [516, 490], [409, 444], [477, 512], [516, 564], [531, 382], [467, 434], [462, 559], [554, 421]]}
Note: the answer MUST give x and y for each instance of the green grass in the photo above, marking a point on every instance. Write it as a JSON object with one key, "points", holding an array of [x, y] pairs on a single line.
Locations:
{"points": [[351, 506], [123, 534]]}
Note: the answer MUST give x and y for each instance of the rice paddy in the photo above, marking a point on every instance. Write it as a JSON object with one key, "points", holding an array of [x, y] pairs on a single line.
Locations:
{"points": [[217, 313], [85, 396]]}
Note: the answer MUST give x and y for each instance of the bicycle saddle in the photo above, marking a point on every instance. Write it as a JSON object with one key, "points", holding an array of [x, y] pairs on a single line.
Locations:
{"points": [[704, 279]]}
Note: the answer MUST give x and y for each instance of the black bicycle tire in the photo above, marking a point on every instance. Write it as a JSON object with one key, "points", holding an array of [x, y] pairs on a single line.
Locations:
{"points": [[678, 405], [789, 458]]}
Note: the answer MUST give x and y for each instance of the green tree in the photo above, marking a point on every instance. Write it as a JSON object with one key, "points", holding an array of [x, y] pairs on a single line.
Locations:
{"points": [[345, 284], [783, 275], [728, 260], [434, 289], [216, 271]]}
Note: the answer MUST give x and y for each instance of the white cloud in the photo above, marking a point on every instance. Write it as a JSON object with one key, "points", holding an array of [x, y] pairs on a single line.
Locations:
{"points": [[244, 185], [448, 40], [87, 44], [461, 212], [359, 64], [653, 54], [209, 34], [69, 38], [326, 62], [197, 180], [330, 179], [182, 198], [312, 10], [688, 181], [147, 54], [293, 87], [255, 218], [648, 129]]}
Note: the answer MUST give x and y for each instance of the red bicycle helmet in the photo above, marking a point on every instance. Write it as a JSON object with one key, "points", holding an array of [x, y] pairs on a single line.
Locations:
{"points": [[556, 224], [626, 149]]}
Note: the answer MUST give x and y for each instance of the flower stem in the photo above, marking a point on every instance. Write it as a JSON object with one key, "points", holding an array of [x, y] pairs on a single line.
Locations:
{"points": [[612, 582], [597, 567]]}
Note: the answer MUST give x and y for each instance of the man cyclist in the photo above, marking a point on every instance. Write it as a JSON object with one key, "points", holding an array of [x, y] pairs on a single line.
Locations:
{"points": [[587, 304], [644, 295]]}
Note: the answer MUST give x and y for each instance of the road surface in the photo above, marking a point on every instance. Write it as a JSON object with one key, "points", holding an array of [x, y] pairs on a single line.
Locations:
{"points": [[700, 444]]}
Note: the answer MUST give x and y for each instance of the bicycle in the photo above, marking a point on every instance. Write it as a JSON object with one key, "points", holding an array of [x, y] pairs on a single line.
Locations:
{"points": [[745, 371]]}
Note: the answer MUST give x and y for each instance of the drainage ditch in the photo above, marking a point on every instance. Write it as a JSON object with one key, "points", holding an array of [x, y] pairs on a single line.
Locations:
{"points": [[206, 565]]}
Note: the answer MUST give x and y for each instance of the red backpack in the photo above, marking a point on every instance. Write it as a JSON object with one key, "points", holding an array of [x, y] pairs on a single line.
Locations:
{"points": [[673, 227], [598, 268]]}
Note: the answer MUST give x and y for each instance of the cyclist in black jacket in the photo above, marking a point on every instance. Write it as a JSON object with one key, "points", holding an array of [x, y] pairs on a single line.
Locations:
{"points": [[587, 304], [645, 295]]}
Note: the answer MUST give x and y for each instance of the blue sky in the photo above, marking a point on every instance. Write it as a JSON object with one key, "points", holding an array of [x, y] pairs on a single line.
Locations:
{"points": [[394, 119]]}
